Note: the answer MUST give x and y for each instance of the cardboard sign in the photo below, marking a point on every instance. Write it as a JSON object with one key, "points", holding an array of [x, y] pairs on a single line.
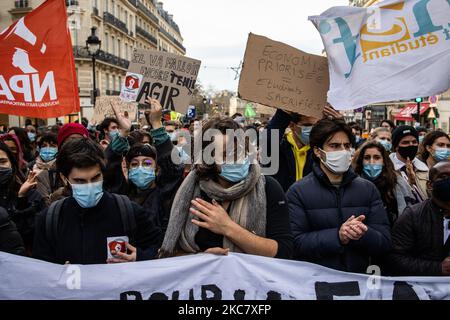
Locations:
{"points": [[37, 69], [277, 75], [103, 108], [167, 77]]}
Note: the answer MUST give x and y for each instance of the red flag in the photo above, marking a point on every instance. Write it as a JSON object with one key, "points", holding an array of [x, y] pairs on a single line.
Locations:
{"points": [[37, 69]]}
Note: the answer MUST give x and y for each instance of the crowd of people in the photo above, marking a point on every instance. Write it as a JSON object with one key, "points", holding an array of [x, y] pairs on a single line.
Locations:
{"points": [[339, 198]]}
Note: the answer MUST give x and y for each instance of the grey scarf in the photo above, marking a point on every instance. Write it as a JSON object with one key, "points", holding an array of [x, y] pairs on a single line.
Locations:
{"points": [[248, 209]]}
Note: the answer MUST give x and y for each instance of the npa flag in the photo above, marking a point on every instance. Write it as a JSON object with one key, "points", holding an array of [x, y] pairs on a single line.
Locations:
{"points": [[395, 50], [37, 70]]}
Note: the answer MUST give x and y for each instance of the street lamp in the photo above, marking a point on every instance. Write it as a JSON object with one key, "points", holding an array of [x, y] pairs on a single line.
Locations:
{"points": [[93, 44]]}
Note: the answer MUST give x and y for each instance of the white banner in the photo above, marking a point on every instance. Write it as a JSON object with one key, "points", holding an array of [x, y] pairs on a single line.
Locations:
{"points": [[206, 276], [396, 50]]}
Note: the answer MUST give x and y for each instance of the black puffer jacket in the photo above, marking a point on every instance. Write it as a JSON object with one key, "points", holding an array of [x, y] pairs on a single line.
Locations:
{"points": [[418, 242], [317, 210], [10, 239]]}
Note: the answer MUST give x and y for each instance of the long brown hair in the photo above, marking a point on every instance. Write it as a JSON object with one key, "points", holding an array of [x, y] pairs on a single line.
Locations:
{"points": [[388, 179], [428, 141]]}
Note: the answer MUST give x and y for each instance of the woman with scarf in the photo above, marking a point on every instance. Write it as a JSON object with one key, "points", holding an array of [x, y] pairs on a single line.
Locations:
{"points": [[45, 167], [371, 162], [226, 204], [20, 200]]}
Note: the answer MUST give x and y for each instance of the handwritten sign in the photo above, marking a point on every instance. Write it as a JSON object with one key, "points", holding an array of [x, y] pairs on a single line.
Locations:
{"points": [[167, 77], [277, 75], [103, 108]]}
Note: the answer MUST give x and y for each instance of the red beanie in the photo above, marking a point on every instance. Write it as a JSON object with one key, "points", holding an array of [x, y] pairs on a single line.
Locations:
{"points": [[69, 129]]}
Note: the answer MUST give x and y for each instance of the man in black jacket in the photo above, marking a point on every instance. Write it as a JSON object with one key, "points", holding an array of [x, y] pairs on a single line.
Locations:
{"points": [[420, 237], [90, 216]]}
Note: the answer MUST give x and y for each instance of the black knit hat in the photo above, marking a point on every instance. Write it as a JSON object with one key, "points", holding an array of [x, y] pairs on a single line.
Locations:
{"points": [[139, 149], [401, 132]]}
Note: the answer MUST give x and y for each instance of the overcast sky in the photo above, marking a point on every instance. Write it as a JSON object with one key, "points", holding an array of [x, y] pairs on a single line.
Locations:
{"points": [[216, 31]]}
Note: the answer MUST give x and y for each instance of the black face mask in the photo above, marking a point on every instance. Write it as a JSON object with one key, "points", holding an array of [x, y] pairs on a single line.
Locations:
{"points": [[5, 175], [408, 152], [441, 190]]}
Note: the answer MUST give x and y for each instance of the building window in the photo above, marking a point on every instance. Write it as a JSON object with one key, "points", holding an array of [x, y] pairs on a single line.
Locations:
{"points": [[120, 83], [119, 53], [114, 82], [106, 6], [113, 51], [113, 8], [107, 81], [106, 42], [21, 3]]}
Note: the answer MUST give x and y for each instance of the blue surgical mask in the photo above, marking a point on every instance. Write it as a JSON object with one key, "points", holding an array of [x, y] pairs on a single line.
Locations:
{"points": [[114, 134], [235, 172], [89, 194], [142, 177], [373, 171], [421, 139], [386, 144], [31, 136], [304, 135], [441, 154], [48, 153], [357, 139]]}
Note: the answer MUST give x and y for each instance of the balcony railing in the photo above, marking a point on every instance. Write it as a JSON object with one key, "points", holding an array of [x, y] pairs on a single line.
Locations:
{"points": [[144, 9], [168, 35], [146, 35], [81, 52], [21, 4], [109, 18], [133, 2]]}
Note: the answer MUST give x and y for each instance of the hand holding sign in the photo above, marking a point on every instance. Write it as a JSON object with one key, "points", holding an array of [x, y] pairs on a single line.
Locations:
{"points": [[124, 257], [154, 115], [124, 123]]}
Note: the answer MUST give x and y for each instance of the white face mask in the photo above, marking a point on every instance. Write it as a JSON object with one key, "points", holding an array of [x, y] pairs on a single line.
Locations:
{"points": [[337, 161]]}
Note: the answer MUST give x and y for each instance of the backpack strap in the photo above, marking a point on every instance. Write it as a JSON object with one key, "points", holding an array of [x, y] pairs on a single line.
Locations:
{"points": [[51, 220], [126, 214]]}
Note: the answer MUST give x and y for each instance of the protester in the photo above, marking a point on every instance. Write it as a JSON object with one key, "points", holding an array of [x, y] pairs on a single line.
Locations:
{"points": [[383, 136], [14, 145], [228, 206], [388, 124], [420, 238], [109, 129], [358, 133], [20, 200], [10, 239], [435, 148], [372, 163], [405, 144], [53, 188], [337, 218], [151, 178], [171, 127], [91, 215], [422, 131], [48, 148], [29, 152], [48, 179], [295, 154]]}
